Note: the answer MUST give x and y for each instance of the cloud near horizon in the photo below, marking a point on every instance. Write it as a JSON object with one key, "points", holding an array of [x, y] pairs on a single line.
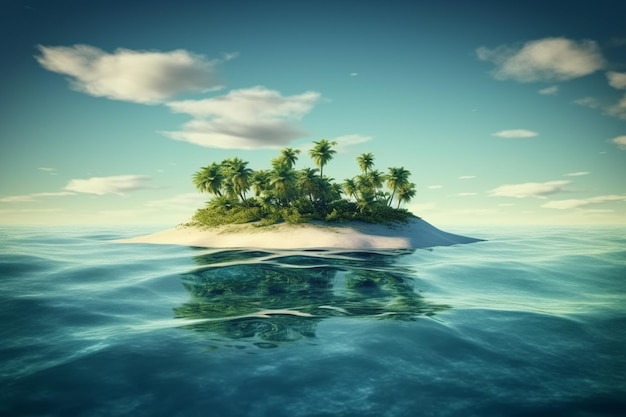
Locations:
{"points": [[548, 59], [180, 201], [529, 189], [247, 118], [118, 184], [147, 77], [576, 203], [32, 197], [515, 133]]}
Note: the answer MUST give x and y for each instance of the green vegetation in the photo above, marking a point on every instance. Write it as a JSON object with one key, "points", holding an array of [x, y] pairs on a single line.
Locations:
{"points": [[284, 194]]}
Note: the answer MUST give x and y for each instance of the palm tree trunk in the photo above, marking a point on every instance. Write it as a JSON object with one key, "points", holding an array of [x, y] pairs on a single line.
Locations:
{"points": [[393, 193]]}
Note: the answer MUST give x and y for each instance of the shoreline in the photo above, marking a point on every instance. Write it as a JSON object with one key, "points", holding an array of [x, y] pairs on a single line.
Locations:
{"points": [[416, 233]]}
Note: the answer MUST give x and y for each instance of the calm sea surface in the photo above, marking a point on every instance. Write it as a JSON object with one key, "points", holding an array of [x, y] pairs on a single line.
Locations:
{"points": [[531, 322]]}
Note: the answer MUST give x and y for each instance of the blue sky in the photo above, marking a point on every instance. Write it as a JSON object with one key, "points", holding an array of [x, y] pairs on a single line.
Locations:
{"points": [[509, 113]]}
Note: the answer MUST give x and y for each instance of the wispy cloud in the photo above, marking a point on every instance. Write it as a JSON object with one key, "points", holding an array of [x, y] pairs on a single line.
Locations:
{"points": [[590, 102], [434, 187], [180, 201], [119, 184], [354, 74], [577, 174], [618, 109], [620, 141], [466, 194], [546, 59], [249, 118], [138, 76], [466, 177], [576, 203], [51, 171], [346, 141], [32, 197], [529, 189], [515, 133], [549, 90]]}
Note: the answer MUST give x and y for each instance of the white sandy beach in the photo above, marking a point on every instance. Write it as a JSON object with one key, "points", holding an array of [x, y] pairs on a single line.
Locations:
{"points": [[415, 234]]}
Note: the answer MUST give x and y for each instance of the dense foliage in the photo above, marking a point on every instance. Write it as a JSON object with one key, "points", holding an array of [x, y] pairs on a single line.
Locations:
{"points": [[282, 193]]}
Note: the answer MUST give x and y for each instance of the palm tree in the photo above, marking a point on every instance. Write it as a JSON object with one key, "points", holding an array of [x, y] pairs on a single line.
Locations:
{"points": [[308, 183], [370, 182], [327, 190], [209, 179], [289, 156], [397, 178], [335, 191], [201, 181], [260, 182], [350, 188], [365, 161], [322, 152], [238, 176], [222, 202], [283, 183], [406, 193]]}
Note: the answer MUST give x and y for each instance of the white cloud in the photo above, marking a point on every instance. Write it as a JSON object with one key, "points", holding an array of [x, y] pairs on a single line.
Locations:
{"points": [[32, 197], [549, 90], [546, 59], [138, 76], [108, 185], [515, 133], [466, 177], [434, 187], [617, 79], [620, 141], [243, 119], [529, 189], [346, 141], [577, 174], [354, 74], [575, 203]]}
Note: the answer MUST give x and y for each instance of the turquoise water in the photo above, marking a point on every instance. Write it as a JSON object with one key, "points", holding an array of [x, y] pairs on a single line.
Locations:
{"points": [[531, 322]]}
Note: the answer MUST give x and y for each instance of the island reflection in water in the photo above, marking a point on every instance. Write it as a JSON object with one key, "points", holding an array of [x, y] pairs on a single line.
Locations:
{"points": [[265, 298]]}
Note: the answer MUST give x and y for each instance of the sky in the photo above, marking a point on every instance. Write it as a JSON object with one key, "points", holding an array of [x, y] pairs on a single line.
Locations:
{"points": [[504, 112]]}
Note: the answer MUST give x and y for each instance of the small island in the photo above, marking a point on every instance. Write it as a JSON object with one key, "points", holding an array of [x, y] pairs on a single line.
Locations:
{"points": [[286, 208]]}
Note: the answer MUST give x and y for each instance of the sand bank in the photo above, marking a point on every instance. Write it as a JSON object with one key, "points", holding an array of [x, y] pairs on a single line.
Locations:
{"points": [[356, 235]]}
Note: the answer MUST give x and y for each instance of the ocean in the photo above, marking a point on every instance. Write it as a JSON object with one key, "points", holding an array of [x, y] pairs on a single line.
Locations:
{"points": [[530, 322]]}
